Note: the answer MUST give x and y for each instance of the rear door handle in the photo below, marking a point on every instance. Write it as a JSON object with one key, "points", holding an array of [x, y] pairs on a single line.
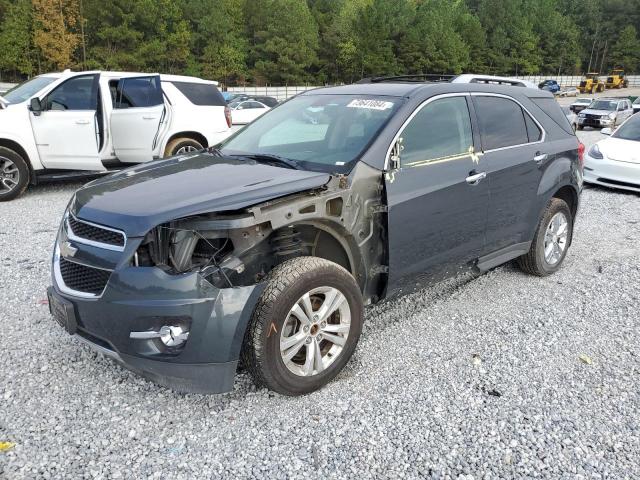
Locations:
{"points": [[540, 157], [148, 118], [82, 122], [475, 178]]}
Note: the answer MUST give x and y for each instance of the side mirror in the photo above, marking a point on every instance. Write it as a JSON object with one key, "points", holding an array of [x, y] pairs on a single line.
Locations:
{"points": [[606, 131], [35, 106]]}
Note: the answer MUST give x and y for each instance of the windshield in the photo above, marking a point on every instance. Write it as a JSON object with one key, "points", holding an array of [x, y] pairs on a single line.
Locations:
{"points": [[603, 105], [320, 132], [629, 130], [28, 89]]}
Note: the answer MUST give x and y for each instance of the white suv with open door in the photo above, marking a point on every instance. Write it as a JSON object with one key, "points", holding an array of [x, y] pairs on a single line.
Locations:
{"points": [[78, 123]]}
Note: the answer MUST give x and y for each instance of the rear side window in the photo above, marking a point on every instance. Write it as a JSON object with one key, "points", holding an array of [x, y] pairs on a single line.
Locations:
{"points": [[203, 94], [502, 122], [441, 129], [552, 109], [138, 93], [533, 130]]}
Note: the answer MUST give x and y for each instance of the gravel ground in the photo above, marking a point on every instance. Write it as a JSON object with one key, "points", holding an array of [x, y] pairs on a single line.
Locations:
{"points": [[500, 376]]}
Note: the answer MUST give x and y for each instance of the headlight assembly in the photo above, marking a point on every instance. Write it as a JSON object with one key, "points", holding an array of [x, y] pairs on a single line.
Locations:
{"points": [[594, 152]]}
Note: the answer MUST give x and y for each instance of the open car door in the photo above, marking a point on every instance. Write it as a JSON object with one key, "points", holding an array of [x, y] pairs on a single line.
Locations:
{"points": [[138, 110]]}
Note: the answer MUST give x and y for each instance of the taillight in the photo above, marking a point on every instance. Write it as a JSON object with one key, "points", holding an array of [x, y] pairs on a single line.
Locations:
{"points": [[581, 154], [227, 116]]}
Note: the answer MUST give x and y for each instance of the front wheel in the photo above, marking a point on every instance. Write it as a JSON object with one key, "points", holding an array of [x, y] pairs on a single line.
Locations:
{"points": [[551, 241], [305, 327], [14, 174]]}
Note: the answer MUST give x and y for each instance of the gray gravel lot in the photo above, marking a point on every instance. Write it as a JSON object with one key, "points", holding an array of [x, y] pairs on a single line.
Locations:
{"points": [[500, 376]]}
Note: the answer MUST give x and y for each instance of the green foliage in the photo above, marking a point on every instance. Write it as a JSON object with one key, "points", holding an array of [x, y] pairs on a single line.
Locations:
{"points": [[283, 40], [323, 41], [16, 46], [625, 51]]}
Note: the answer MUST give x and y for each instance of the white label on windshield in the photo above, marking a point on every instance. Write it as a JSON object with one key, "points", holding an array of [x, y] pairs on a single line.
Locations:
{"points": [[370, 104]]}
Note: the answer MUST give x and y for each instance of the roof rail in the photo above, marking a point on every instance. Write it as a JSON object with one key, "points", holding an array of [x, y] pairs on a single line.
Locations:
{"points": [[419, 78]]}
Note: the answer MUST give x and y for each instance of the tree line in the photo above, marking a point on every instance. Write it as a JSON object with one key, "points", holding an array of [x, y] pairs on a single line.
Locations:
{"points": [[318, 41]]}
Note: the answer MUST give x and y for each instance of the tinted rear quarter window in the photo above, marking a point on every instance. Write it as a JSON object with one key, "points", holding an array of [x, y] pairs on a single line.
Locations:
{"points": [[552, 109], [203, 94], [502, 122]]}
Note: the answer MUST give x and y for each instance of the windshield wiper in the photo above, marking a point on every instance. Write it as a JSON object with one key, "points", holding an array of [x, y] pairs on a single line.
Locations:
{"points": [[271, 158]]}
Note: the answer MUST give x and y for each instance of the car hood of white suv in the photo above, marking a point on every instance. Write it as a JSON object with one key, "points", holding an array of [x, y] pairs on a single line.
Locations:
{"points": [[592, 111], [620, 150]]}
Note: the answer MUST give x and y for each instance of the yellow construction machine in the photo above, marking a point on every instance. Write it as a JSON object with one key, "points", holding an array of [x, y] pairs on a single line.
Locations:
{"points": [[617, 79], [591, 84]]}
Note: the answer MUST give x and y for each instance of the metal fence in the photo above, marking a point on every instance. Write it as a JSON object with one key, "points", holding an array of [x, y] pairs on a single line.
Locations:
{"points": [[281, 93]]}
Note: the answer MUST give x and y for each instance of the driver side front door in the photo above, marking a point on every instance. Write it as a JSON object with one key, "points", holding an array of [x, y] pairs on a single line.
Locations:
{"points": [[438, 198], [66, 131]]}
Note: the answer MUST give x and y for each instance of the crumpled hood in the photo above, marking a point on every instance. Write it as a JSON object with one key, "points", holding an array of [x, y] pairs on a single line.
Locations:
{"points": [[620, 150], [140, 198]]}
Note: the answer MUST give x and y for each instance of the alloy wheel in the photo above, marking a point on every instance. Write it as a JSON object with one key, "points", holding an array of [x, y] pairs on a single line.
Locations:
{"points": [[9, 175], [555, 238], [315, 331], [186, 149]]}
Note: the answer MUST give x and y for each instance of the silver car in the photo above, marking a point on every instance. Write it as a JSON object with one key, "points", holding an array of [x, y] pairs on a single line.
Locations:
{"points": [[605, 112]]}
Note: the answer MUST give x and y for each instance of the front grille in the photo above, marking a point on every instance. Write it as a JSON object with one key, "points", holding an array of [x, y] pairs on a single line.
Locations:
{"points": [[82, 278], [590, 116], [96, 234]]}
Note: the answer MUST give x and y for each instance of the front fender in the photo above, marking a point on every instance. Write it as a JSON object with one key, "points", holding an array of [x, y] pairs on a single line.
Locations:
{"points": [[16, 117]]}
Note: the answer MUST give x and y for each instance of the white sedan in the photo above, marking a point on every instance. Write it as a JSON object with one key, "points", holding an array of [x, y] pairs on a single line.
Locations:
{"points": [[246, 111], [615, 161]]}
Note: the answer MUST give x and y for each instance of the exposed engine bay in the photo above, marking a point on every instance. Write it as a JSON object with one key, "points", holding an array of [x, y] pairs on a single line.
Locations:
{"points": [[345, 222]]}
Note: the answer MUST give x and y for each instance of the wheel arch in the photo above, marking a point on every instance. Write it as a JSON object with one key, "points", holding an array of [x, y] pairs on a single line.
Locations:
{"points": [[16, 147]]}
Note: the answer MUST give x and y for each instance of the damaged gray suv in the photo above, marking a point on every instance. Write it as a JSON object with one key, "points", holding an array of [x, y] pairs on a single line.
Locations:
{"points": [[264, 250]]}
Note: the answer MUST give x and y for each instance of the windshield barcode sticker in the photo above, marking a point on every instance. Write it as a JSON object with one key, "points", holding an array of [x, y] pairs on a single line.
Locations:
{"points": [[370, 104]]}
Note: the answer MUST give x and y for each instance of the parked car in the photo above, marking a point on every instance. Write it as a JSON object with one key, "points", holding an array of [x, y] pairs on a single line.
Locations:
{"points": [[246, 111], [268, 101], [492, 80], [572, 117], [636, 105], [569, 92], [580, 104], [615, 161], [550, 86], [61, 123], [605, 112], [234, 96], [269, 245]]}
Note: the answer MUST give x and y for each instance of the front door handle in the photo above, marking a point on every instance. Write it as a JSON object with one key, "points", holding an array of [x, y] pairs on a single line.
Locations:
{"points": [[476, 177], [82, 122], [148, 118], [540, 157]]}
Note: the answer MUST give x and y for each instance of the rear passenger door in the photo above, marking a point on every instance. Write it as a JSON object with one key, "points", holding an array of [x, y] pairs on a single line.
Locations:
{"points": [[138, 110], [515, 157], [438, 197]]}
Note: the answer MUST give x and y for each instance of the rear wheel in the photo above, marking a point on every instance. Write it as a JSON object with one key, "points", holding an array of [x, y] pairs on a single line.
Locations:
{"points": [[305, 327], [551, 240], [14, 174], [182, 146]]}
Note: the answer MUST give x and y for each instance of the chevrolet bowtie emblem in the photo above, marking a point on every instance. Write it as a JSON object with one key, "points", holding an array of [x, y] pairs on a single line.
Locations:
{"points": [[67, 250]]}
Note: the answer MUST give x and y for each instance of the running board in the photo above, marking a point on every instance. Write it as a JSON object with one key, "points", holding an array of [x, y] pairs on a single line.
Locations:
{"points": [[501, 256], [54, 176]]}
